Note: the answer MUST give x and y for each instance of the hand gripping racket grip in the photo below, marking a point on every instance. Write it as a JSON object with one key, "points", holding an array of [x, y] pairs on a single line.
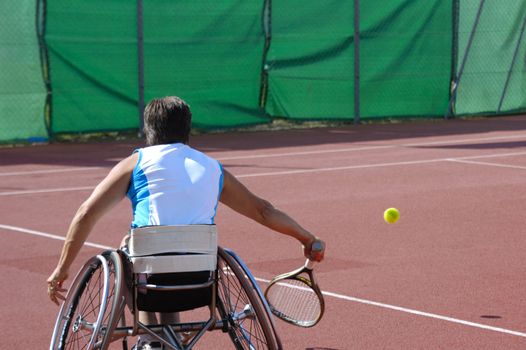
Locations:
{"points": [[316, 247]]}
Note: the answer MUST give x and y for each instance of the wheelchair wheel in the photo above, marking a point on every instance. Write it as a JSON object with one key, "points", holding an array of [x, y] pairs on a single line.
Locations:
{"points": [[250, 326], [93, 305]]}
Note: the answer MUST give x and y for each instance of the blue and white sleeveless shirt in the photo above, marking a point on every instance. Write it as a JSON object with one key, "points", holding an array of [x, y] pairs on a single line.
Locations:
{"points": [[174, 185]]}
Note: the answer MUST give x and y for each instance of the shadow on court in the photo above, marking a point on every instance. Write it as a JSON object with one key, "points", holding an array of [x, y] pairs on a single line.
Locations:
{"points": [[108, 153]]}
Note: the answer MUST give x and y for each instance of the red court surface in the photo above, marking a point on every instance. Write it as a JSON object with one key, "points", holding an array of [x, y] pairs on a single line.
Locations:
{"points": [[449, 275]]}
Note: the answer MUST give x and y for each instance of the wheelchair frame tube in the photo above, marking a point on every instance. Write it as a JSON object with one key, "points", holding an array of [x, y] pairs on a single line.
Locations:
{"points": [[200, 327], [121, 332], [174, 288]]}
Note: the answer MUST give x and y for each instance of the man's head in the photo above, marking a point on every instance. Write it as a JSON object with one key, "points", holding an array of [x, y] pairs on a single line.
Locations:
{"points": [[167, 120]]}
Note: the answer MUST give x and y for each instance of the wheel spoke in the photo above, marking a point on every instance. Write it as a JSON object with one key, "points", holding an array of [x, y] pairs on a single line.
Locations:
{"points": [[77, 326], [249, 324]]}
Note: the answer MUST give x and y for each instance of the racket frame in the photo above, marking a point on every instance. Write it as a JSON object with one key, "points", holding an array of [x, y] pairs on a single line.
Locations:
{"points": [[309, 282]]}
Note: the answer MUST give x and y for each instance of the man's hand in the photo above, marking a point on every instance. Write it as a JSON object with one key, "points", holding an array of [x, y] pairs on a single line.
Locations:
{"points": [[315, 250], [54, 286]]}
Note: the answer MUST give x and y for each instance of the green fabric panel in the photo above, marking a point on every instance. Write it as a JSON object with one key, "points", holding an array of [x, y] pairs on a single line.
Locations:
{"points": [[483, 82], [22, 91], [210, 54], [93, 64], [311, 59], [405, 57]]}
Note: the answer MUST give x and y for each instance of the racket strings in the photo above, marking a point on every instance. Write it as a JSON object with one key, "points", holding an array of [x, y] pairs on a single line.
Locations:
{"points": [[295, 300]]}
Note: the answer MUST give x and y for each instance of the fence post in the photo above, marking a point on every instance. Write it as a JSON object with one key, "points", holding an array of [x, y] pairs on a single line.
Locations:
{"points": [[140, 61], [356, 61], [41, 20], [464, 60], [266, 18], [515, 54]]}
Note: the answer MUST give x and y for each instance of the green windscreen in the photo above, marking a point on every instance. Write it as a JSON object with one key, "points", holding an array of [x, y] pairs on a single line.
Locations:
{"points": [[245, 62], [22, 91], [311, 58], [209, 53], [494, 76], [92, 49], [405, 58]]}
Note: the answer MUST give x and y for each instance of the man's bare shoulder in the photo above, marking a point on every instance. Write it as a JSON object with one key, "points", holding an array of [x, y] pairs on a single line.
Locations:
{"points": [[126, 165]]}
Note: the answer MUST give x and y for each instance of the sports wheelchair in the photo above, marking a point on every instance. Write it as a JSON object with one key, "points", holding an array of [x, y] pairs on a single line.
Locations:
{"points": [[168, 269]]}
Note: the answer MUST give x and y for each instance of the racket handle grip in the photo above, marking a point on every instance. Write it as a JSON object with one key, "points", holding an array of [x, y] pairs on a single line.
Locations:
{"points": [[317, 246], [309, 264]]}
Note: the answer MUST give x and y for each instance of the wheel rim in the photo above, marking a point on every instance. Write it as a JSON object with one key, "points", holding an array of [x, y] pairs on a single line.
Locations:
{"points": [[248, 330], [86, 314]]}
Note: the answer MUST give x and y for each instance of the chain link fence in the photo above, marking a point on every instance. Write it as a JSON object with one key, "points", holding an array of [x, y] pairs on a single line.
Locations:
{"points": [[405, 58], [73, 66], [22, 91], [490, 76], [310, 60]]}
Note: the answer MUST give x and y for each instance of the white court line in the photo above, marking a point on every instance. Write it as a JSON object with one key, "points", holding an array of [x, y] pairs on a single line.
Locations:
{"points": [[367, 148], [299, 171], [406, 310], [487, 164], [366, 166], [319, 170], [329, 294], [446, 142], [48, 235], [494, 155], [288, 154], [48, 171], [48, 190], [426, 314]]}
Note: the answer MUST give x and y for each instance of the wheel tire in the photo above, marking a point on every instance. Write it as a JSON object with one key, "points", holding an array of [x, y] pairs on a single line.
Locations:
{"points": [[93, 305], [235, 293]]}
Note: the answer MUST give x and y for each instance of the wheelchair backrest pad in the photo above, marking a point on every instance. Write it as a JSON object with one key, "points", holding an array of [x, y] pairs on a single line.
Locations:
{"points": [[166, 249]]}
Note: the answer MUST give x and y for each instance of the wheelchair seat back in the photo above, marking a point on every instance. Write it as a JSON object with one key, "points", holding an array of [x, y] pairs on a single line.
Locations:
{"points": [[173, 256]]}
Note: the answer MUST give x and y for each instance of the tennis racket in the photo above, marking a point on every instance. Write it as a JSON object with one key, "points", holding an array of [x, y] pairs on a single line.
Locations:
{"points": [[295, 297]]}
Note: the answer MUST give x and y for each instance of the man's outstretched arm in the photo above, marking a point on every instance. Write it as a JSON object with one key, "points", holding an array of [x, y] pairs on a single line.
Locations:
{"points": [[236, 196], [104, 197]]}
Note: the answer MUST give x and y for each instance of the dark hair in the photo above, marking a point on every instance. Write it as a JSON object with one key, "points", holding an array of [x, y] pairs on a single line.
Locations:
{"points": [[167, 120]]}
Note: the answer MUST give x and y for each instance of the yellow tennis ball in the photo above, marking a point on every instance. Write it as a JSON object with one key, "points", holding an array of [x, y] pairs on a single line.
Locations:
{"points": [[391, 215]]}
